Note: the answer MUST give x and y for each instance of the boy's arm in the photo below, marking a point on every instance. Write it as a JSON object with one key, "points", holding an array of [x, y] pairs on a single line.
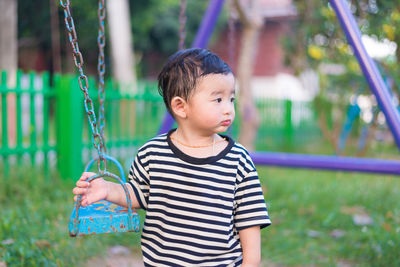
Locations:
{"points": [[250, 239], [116, 194], [99, 189]]}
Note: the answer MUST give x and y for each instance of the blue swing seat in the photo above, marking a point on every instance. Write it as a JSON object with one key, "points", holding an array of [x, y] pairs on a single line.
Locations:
{"points": [[104, 217], [101, 218]]}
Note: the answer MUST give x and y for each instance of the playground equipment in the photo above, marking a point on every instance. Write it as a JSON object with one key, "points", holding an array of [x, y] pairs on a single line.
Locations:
{"points": [[377, 85], [263, 158], [354, 111], [105, 217], [101, 217]]}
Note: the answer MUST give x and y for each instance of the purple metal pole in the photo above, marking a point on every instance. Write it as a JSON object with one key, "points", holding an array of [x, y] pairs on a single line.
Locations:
{"points": [[208, 23], [368, 67], [378, 88], [202, 37], [335, 163]]}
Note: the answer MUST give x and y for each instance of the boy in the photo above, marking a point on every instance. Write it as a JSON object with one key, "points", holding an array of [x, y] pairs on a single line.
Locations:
{"points": [[203, 200]]}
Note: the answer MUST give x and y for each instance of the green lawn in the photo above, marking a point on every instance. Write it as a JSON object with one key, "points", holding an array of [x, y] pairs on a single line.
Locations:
{"points": [[312, 218], [305, 206], [34, 224]]}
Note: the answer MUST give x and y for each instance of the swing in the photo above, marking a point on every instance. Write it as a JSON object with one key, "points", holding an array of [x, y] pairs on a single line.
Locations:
{"points": [[103, 216]]}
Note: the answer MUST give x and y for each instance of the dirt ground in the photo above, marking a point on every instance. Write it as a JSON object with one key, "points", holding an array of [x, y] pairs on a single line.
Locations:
{"points": [[116, 261], [117, 256], [120, 256]]}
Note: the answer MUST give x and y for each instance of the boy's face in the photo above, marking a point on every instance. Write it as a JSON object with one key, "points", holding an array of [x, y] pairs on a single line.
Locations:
{"points": [[211, 107]]}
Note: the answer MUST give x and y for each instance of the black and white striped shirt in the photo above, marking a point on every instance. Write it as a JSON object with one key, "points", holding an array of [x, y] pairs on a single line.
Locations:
{"points": [[195, 206]]}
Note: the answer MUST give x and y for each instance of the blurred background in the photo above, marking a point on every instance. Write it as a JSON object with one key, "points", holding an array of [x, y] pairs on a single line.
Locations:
{"points": [[300, 89]]}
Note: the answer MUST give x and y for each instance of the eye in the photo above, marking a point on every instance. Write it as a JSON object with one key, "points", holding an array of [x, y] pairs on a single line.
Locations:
{"points": [[218, 100], [232, 99]]}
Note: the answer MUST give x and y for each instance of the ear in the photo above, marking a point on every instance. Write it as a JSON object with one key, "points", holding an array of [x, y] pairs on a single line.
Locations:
{"points": [[178, 106]]}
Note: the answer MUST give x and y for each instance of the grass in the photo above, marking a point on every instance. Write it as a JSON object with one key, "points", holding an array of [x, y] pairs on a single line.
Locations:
{"points": [[305, 207], [34, 224]]}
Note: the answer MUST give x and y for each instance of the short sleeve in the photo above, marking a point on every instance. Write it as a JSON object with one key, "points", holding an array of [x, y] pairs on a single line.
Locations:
{"points": [[250, 208], [139, 180]]}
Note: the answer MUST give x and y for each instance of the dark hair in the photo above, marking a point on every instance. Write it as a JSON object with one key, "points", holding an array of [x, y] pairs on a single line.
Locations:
{"points": [[179, 75]]}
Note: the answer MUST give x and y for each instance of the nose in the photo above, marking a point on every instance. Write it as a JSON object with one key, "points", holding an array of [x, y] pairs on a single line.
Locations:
{"points": [[229, 108]]}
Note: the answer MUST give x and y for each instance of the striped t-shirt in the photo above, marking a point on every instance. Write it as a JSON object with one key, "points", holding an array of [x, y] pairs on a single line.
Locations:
{"points": [[195, 206]]}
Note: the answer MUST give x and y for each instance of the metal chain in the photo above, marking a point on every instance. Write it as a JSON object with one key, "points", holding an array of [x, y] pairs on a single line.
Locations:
{"points": [[97, 139], [101, 69], [182, 25]]}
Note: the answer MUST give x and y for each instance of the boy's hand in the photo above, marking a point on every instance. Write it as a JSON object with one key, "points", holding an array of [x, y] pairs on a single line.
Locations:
{"points": [[92, 191]]}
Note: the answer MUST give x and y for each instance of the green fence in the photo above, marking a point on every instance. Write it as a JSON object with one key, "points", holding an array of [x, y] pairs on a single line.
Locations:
{"points": [[45, 125], [286, 124], [24, 133], [130, 119]]}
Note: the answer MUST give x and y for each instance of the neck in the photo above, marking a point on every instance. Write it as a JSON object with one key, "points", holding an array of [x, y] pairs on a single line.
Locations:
{"points": [[198, 146], [194, 139]]}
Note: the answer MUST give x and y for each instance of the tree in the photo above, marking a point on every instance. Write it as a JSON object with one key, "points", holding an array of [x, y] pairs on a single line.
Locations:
{"points": [[8, 36], [8, 57], [317, 40], [155, 25], [123, 61], [252, 21], [55, 37]]}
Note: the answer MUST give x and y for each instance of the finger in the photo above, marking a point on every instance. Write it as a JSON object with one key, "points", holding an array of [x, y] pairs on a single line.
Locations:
{"points": [[76, 199], [79, 191], [85, 176], [85, 202], [82, 184]]}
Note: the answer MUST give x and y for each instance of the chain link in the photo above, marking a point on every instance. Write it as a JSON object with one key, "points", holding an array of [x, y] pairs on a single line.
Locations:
{"points": [[182, 25], [101, 69], [97, 138]]}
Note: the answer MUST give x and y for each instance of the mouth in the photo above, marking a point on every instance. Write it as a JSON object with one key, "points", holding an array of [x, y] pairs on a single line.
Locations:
{"points": [[226, 122]]}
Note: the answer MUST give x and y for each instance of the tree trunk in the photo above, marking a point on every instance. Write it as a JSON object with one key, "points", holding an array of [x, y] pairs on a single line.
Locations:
{"points": [[249, 119], [252, 21], [55, 37], [9, 57], [123, 62], [8, 35]]}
